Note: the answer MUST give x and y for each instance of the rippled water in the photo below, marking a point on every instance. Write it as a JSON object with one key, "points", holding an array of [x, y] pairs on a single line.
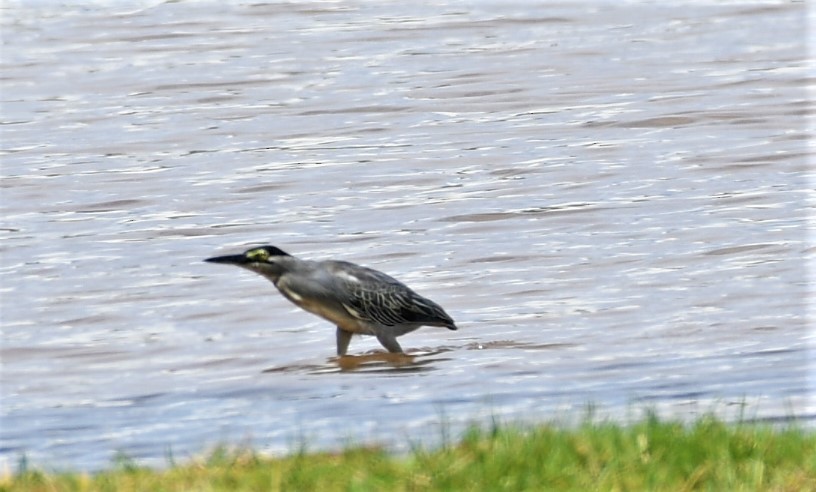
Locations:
{"points": [[611, 199]]}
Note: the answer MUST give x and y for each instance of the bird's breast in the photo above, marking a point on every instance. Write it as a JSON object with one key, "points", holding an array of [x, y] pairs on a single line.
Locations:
{"points": [[327, 311]]}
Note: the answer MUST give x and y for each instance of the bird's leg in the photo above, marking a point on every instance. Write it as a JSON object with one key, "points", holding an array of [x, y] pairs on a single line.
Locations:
{"points": [[389, 342], [343, 339]]}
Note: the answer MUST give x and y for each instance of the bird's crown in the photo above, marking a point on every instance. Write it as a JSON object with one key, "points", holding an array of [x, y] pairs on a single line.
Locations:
{"points": [[263, 253]]}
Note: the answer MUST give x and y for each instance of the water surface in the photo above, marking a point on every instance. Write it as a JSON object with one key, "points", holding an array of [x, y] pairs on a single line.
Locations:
{"points": [[610, 199]]}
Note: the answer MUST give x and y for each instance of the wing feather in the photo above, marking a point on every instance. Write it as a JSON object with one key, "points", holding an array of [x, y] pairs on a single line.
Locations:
{"points": [[371, 295]]}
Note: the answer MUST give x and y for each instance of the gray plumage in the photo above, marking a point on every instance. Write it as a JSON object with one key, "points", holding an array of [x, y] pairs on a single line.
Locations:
{"points": [[355, 298]]}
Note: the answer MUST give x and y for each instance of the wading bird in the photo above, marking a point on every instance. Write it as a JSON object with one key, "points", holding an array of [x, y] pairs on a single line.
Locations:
{"points": [[355, 298]]}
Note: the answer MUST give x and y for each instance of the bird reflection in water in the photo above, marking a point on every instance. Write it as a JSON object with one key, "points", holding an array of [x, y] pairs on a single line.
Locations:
{"points": [[370, 362]]}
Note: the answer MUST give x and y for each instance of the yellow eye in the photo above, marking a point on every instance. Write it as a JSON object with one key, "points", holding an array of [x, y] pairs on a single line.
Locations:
{"points": [[259, 254]]}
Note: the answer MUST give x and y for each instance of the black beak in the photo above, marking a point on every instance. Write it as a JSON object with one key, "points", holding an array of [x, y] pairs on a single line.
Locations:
{"points": [[229, 259]]}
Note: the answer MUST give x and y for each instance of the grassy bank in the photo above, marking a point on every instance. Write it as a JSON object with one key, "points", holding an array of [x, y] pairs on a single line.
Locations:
{"points": [[648, 455]]}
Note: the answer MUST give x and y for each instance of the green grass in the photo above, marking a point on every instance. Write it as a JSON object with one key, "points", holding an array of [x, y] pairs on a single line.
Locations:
{"points": [[648, 455]]}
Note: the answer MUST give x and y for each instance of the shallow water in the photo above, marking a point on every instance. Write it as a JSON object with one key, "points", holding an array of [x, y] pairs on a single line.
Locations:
{"points": [[610, 199]]}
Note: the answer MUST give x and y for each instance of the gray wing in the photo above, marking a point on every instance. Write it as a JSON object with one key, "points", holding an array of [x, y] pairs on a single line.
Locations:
{"points": [[371, 295]]}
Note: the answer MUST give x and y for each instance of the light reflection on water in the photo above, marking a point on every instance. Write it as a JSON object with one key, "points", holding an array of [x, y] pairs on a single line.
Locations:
{"points": [[607, 224]]}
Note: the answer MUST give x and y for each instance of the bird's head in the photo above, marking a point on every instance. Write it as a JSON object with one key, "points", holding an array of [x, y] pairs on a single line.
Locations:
{"points": [[269, 261]]}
